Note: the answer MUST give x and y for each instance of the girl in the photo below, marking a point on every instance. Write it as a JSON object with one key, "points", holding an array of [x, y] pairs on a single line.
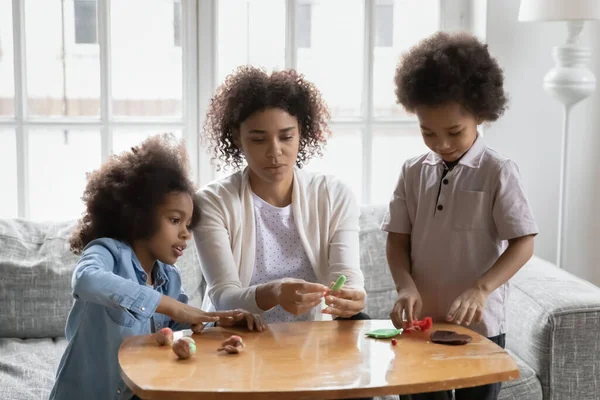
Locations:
{"points": [[272, 236], [459, 223], [140, 210]]}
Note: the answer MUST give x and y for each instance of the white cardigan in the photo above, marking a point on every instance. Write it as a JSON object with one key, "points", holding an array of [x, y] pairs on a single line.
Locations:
{"points": [[325, 213]]}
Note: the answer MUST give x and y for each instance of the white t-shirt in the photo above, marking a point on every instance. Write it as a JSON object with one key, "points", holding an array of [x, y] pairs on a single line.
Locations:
{"points": [[279, 253]]}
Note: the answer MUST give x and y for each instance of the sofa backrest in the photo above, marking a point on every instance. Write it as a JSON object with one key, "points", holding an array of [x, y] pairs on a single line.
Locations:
{"points": [[36, 267]]}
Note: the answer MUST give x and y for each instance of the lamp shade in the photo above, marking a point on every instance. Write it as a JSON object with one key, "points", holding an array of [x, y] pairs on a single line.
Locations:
{"points": [[559, 10]]}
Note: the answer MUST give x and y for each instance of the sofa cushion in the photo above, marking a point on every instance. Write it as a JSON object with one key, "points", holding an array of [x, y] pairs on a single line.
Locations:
{"points": [[527, 387], [28, 367], [36, 268]]}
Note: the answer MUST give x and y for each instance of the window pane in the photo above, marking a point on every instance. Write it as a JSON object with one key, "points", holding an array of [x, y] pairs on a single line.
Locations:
{"points": [[63, 77], [126, 138], [146, 63], [411, 22], [58, 163], [177, 22], [391, 148], [384, 25], [9, 207], [85, 21], [342, 157], [333, 59], [250, 32], [7, 77]]}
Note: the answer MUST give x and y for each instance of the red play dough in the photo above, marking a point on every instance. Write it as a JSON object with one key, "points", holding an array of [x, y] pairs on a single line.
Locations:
{"points": [[164, 337]]}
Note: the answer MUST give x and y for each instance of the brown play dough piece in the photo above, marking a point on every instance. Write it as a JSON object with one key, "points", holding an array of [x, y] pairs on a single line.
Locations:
{"points": [[449, 337], [233, 345]]}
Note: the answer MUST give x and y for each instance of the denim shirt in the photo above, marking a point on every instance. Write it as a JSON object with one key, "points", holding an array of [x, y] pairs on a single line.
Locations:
{"points": [[112, 301]]}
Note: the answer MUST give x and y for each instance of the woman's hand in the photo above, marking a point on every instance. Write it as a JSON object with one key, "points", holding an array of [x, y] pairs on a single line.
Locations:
{"points": [[345, 303], [298, 297]]}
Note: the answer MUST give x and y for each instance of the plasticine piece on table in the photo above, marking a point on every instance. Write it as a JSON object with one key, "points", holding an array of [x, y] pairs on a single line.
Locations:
{"points": [[233, 345], [422, 325], [449, 338], [164, 337], [339, 283], [384, 333], [184, 348]]}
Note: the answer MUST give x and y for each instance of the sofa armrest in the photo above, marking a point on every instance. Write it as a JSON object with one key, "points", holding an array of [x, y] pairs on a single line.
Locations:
{"points": [[554, 326]]}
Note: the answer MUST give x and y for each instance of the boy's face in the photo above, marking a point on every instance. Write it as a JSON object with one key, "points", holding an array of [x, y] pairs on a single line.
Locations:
{"points": [[173, 218], [448, 130], [270, 141]]}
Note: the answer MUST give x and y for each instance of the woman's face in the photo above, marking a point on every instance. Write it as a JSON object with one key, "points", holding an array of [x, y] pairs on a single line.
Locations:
{"points": [[270, 141]]}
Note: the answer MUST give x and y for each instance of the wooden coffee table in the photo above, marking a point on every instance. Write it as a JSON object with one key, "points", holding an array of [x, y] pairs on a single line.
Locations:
{"points": [[312, 360]]}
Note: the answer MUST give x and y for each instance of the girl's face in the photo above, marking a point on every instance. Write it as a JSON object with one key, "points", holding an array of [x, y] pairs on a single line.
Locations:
{"points": [[447, 130], [173, 218], [270, 142]]}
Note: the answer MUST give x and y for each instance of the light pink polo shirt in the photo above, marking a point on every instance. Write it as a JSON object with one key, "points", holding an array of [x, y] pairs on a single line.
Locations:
{"points": [[458, 236]]}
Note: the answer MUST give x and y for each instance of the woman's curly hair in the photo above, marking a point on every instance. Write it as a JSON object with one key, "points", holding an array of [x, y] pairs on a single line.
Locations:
{"points": [[250, 89], [451, 68], [122, 196]]}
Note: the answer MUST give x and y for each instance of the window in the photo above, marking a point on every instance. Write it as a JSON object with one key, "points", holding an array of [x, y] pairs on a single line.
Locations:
{"points": [[85, 21], [304, 26], [65, 107], [75, 107]]}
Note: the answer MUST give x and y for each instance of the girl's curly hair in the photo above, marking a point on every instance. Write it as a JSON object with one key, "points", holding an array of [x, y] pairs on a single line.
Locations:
{"points": [[451, 68], [250, 89], [121, 197]]}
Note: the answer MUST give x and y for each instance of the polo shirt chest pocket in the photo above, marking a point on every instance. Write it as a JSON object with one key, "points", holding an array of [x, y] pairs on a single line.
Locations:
{"points": [[471, 210]]}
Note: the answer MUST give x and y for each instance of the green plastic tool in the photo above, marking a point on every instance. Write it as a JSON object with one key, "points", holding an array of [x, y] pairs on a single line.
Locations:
{"points": [[339, 283], [384, 333]]}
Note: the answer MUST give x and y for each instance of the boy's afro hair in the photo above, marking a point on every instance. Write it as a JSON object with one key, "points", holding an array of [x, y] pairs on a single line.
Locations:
{"points": [[449, 67]]}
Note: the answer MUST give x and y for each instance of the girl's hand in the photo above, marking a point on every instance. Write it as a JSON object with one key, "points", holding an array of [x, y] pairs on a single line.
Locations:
{"points": [[345, 302], [187, 314], [468, 307], [243, 317]]}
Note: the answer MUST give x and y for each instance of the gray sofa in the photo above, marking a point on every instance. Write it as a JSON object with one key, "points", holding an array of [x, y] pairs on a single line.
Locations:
{"points": [[554, 317]]}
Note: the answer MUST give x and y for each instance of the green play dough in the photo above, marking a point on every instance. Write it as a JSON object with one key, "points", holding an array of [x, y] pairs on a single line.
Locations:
{"points": [[384, 333], [339, 283]]}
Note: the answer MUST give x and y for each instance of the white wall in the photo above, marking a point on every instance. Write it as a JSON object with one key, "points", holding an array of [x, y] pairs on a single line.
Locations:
{"points": [[529, 133]]}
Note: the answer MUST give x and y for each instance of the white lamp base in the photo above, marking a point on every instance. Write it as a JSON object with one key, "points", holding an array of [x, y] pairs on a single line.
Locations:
{"points": [[570, 81]]}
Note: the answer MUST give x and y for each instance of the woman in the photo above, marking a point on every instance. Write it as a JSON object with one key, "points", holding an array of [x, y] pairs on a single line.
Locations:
{"points": [[272, 237]]}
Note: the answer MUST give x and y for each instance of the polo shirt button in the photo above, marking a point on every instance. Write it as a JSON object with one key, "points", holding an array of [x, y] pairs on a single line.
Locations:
{"points": [[118, 391], [144, 308], [445, 181], [440, 207]]}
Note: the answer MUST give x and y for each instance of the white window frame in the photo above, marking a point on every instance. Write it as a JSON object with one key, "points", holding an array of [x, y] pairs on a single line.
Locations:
{"points": [[107, 123], [199, 45]]}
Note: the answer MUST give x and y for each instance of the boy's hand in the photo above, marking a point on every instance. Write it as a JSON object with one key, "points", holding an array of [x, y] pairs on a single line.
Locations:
{"points": [[243, 317], [468, 307], [344, 303], [408, 302]]}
